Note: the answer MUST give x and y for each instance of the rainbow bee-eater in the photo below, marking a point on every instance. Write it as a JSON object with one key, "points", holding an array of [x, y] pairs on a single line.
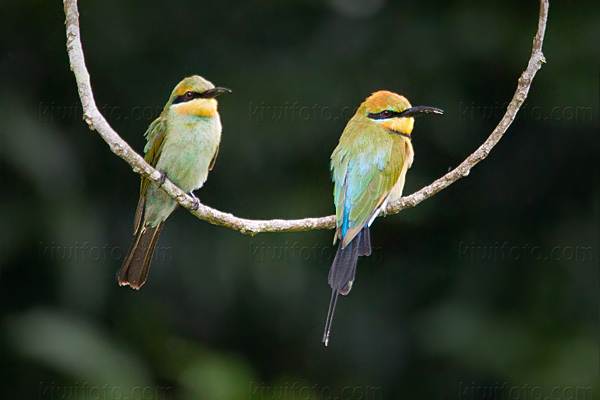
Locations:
{"points": [[182, 143], [368, 170]]}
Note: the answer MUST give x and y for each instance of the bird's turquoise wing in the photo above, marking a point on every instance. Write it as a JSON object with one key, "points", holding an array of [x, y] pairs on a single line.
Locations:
{"points": [[366, 165]]}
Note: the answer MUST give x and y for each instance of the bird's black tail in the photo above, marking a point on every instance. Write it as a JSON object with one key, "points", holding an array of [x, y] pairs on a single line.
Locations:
{"points": [[343, 271], [139, 257]]}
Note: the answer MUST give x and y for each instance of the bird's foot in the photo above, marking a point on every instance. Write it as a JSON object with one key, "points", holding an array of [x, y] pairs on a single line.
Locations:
{"points": [[162, 179], [196, 204]]}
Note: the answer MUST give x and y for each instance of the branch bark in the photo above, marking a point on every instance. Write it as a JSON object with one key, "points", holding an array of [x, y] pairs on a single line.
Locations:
{"points": [[96, 121]]}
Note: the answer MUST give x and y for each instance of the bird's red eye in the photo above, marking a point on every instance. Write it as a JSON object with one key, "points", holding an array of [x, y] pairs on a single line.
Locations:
{"points": [[386, 113], [189, 95]]}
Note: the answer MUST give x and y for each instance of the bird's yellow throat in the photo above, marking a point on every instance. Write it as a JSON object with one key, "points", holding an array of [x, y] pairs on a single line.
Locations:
{"points": [[200, 107], [400, 125]]}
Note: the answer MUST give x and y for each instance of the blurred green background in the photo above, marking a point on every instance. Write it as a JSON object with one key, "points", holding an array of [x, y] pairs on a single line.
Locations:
{"points": [[488, 290]]}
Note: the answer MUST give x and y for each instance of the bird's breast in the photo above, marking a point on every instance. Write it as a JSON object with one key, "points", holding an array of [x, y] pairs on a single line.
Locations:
{"points": [[190, 144]]}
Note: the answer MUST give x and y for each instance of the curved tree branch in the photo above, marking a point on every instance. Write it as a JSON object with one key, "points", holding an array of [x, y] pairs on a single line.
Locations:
{"points": [[96, 121]]}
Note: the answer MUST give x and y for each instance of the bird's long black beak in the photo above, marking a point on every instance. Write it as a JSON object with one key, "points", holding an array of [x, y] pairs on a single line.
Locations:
{"points": [[214, 92], [419, 110]]}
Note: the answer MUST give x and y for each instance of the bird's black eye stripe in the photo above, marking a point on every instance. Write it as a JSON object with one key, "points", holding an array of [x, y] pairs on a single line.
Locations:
{"points": [[383, 114], [407, 113], [187, 96]]}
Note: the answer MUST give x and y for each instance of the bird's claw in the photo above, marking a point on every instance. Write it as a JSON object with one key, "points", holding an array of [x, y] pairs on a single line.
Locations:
{"points": [[162, 179], [196, 204]]}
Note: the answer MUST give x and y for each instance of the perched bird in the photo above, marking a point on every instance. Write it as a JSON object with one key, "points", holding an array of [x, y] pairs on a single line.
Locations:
{"points": [[368, 170], [182, 143]]}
